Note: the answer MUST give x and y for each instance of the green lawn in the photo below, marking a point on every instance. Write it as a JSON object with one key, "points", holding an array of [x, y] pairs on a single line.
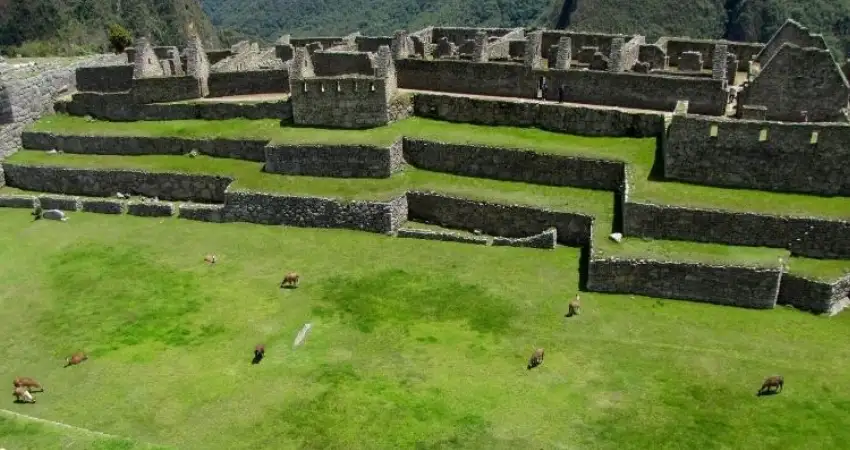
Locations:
{"points": [[17, 433], [638, 153], [423, 347]]}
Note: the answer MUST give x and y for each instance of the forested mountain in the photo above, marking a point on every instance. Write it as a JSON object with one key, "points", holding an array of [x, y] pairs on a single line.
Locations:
{"points": [[735, 19], [49, 27]]}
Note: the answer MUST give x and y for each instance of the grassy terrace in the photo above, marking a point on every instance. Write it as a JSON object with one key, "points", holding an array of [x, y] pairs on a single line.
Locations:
{"points": [[423, 347], [23, 433], [639, 153]]}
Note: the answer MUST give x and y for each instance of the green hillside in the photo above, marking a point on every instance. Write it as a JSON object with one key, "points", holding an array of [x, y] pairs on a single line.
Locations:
{"points": [[737, 19], [50, 27]]}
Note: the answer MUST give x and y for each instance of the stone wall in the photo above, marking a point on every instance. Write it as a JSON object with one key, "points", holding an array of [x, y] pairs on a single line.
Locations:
{"points": [[120, 108], [223, 84], [445, 236], [545, 240], [340, 161], [799, 85], [340, 103], [117, 78], [268, 209], [812, 295], [514, 165], [743, 51], [372, 43], [498, 219], [106, 183], [791, 32], [626, 89], [165, 89], [330, 64], [572, 119], [250, 150], [579, 39], [25, 96], [735, 286], [459, 35], [788, 161], [810, 237]]}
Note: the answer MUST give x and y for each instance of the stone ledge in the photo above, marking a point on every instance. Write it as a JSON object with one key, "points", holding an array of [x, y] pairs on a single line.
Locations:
{"points": [[17, 201], [202, 213], [545, 240], [746, 287], [440, 236], [150, 209], [64, 203], [104, 206]]}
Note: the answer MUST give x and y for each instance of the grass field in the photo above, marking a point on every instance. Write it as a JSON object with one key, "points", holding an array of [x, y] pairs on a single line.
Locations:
{"points": [[639, 153], [17, 433], [423, 347]]}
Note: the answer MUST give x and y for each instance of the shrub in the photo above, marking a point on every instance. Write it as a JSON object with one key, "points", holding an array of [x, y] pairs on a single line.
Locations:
{"points": [[119, 38]]}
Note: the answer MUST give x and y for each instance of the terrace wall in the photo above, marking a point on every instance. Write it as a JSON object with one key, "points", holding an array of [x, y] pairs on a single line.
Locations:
{"points": [[626, 89], [810, 237], [223, 84], [498, 219], [578, 40], [734, 286], [572, 119], [268, 209], [372, 43], [340, 161], [514, 165], [812, 295], [787, 161], [106, 183], [250, 150], [120, 108]]}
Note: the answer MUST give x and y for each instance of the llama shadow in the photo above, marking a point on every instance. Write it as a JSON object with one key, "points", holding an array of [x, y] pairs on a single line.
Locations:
{"points": [[288, 286], [570, 314], [257, 358], [21, 401], [766, 393]]}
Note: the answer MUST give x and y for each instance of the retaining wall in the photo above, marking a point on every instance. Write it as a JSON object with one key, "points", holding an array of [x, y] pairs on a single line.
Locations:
{"points": [[250, 150], [734, 286], [120, 108], [514, 165], [498, 219], [117, 78], [165, 89], [572, 119], [340, 161], [106, 183], [268, 209], [810, 237], [812, 295]]}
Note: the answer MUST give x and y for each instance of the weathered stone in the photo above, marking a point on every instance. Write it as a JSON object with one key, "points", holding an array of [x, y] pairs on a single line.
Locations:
{"points": [[103, 206], [150, 209], [445, 236]]}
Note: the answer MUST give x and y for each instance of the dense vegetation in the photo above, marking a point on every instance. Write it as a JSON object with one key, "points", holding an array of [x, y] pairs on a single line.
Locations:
{"points": [[736, 19], [50, 27]]}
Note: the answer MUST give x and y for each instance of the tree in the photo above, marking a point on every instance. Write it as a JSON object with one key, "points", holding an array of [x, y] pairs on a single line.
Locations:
{"points": [[119, 38]]}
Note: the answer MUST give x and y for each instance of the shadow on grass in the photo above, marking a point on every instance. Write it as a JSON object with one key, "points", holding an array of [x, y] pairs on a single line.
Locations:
{"points": [[402, 296], [767, 393]]}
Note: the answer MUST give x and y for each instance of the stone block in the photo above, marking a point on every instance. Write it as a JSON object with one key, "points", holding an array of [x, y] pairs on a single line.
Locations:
{"points": [[201, 213], [17, 201], [150, 209], [103, 206], [444, 236], [63, 203]]}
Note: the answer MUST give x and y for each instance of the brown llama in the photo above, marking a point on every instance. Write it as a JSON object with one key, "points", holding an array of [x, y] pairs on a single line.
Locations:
{"points": [[23, 395], [574, 307], [776, 382], [291, 279], [28, 383], [209, 259], [536, 359], [75, 359]]}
